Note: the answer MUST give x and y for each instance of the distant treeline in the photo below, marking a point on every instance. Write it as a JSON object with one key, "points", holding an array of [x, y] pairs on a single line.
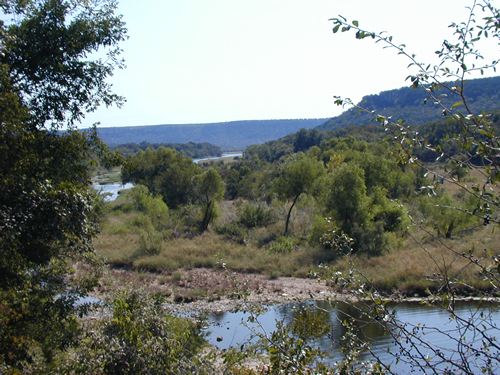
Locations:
{"points": [[438, 133], [410, 104], [191, 149], [230, 136]]}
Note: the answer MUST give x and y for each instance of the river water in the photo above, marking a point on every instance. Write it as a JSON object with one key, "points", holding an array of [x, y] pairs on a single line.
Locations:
{"points": [[110, 191], [224, 155], [320, 323]]}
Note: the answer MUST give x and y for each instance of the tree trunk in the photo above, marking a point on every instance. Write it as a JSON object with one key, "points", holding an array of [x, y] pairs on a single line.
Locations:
{"points": [[450, 229], [290, 213], [206, 216]]}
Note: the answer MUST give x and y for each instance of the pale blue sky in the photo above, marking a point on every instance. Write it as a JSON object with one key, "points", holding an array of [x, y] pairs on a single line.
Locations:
{"points": [[196, 61]]}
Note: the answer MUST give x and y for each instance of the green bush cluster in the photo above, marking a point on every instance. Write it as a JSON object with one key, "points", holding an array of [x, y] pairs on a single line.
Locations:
{"points": [[253, 215], [151, 206], [138, 338], [233, 232]]}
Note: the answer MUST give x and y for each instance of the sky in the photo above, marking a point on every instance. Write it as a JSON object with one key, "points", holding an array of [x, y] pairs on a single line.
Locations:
{"points": [[201, 61]]}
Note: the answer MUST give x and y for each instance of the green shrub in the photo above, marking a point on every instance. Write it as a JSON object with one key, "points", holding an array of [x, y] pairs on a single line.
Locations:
{"points": [[189, 216], [446, 215], [139, 338], [252, 215], [152, 206], [233, 232], [282, 245], [150, 242], [320, 226], [150, 239]]}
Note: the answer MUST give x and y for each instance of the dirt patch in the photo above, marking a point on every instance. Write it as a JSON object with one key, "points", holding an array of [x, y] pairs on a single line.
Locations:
{"points": [[212, 290]]}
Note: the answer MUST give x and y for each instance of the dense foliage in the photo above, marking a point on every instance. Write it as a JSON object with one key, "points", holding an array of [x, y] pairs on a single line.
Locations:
{"points": [[164, 171], [139, 338], [190, 149], [47, 212], [177, 179]]}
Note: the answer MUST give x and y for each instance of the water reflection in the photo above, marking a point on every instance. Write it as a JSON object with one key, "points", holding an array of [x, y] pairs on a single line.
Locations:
{"points": [[321, 323], [310, 322]]}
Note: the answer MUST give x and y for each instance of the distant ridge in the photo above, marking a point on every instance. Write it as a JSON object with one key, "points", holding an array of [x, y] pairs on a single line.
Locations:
{"points": [[406, 103], [233, 135]]}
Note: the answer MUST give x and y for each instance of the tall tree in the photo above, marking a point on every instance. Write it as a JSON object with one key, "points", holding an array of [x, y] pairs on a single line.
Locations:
{"points": [[48, 80], [297, 177], [209, 189]]}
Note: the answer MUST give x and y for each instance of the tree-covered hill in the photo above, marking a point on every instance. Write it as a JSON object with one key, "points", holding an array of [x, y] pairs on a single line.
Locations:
{"points": [[190, 149], [234, 135], [483, 95]]}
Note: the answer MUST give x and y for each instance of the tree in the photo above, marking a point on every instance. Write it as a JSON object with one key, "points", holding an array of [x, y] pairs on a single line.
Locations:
{"points": [[209, 189], [296, 177], [445, 215], [47, 46], [165, 172], [347, 199], [48, 80], [305, 139]]}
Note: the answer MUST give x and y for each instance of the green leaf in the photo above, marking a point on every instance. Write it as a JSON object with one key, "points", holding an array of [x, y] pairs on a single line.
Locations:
{"points": [[336, 28], [457, 104], [355, 23]]}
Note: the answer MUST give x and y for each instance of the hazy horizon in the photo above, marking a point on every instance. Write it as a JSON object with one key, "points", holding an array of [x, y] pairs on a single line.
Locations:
{"points": [[220, 61]]}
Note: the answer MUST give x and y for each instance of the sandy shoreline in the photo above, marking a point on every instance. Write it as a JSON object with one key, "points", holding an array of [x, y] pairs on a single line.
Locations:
{"points": [[204, 290]]}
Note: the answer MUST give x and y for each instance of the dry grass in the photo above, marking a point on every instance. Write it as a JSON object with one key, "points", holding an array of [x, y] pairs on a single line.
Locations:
{"points": [[119, 244], [211, 250], [418, 265], [410, 267]]}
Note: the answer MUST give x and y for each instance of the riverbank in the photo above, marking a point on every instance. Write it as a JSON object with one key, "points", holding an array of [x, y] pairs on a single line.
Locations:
{"points": [[203, 290]]}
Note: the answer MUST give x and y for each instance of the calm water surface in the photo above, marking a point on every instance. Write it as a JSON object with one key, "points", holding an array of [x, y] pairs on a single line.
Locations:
{"points": [[320, 323]]}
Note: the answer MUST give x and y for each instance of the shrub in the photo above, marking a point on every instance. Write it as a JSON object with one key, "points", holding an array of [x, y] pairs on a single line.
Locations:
{"points": [[150, 242], [320, 226], [253, 215], [445, 215], [190, 217], [282, 245], [139, 338], [232, 232], [152, 206]]}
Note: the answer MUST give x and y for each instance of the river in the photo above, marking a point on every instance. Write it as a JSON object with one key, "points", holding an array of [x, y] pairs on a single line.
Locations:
{"points": [[110, 191], [320, 323], [235, 154]]}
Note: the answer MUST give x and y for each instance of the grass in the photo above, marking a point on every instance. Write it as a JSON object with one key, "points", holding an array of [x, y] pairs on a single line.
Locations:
{"points": [[119, 243], [415, 268], [409, 268], [212, 251]]}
